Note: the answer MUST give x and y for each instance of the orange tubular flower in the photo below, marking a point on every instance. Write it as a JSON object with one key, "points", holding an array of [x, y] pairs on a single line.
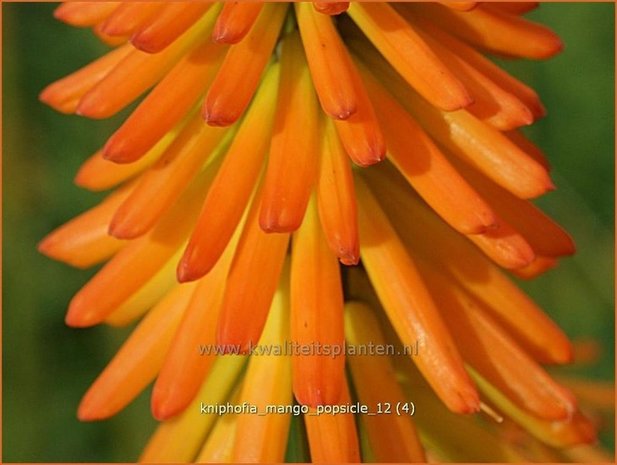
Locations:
{"points": [[64, 95], [85, 14], [326, 58], [236, 81], [336, 199], [292, 165], [246, 169], [125, 19], [235, 21], [333, 438], [234, 182], [316, 315]]}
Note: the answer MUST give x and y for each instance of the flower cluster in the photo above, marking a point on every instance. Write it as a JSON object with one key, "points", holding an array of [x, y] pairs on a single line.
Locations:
{"points": [[293, 169]]}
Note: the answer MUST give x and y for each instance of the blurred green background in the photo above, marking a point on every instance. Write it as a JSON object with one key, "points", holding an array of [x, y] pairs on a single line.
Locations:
{"points": [[47, 366]]}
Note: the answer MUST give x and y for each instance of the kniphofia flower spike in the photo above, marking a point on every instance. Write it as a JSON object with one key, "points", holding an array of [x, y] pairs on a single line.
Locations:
{"points": [[290, 170]]}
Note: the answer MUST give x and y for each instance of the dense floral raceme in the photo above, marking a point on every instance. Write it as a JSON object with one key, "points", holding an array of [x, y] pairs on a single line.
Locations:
{"points": [[303, 181]]}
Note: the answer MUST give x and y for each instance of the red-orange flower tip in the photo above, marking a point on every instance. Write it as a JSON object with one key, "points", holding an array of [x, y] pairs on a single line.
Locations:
{"points": [[230, 345], [345, 113], [349, 258], [162, 409], [221, 37], [522, 256], [90, 106], [121, 230], [466, 401], [94, 407], [188, 270], [142, 40], [78, 315], [314, 397], [541, 185], [46, 246], [538, 109], [588, 432], [462, 101], [372, 156], [86, 411], [484, 224], [115, 151], [556, 46], [216, 116], [565, 354], [278, 221], [272, 224], [52, 96], [58, 14], [46, 95], [54, 246], [331, 8], [81, 178]]}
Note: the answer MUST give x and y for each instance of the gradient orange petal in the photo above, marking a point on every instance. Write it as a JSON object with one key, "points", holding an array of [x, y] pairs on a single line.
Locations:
{"points": [[536, 268], [84, 241], [459, 5], [263, 438], [146, 297], [135, 264], [64, 94], [219, 445], [491, 352], [99, 174], [184, 368], [336, 199], [361, 134], [392, 438], [442, 429], [166, 105], [469, 138], [505, 246], [125, 19], [235, 21], [325, 53], [476, 59], [135, 74], [401, 45], [419, 159], [293, 161], [240, 73], [427, 236], [544, 235], [316, 315], [138, 360], [234, 183], [109, 40], [168, 25], [333, 438], [331, 8], [84, 14], [180, 438], [247, 300], [491, 103], [410, 307], [576, 429], [529, 147], [495, 31], [159, 188]]}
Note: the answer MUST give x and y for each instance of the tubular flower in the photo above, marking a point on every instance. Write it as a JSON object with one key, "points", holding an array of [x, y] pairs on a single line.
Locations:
{"points": [[251, 233]]}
